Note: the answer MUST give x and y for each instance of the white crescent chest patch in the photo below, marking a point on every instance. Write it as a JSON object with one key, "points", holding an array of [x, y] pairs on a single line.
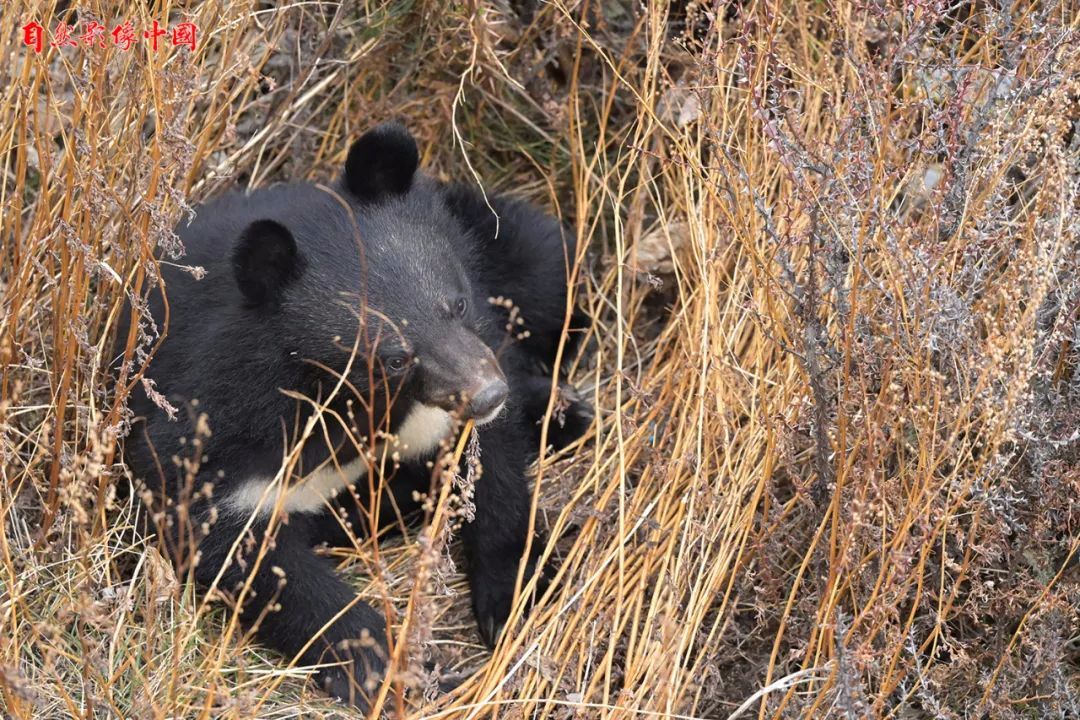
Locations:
{"points": [[422, 431]]}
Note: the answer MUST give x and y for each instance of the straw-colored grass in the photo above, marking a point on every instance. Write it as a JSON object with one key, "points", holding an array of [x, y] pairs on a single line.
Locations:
{"points": [[833, 266]]}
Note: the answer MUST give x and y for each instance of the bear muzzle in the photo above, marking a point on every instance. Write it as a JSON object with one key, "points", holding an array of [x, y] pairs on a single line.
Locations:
{"points": [[461, 375], [488, 402]]}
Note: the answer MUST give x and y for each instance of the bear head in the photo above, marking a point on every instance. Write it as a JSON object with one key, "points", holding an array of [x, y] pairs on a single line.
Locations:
{"points": [[368, 284]]}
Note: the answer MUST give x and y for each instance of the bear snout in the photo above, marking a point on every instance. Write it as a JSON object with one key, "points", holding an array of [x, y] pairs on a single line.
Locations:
{"points": [[486, 403]]}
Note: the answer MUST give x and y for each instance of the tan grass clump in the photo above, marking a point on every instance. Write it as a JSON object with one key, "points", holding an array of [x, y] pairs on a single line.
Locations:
{"points": [[833, 268]]}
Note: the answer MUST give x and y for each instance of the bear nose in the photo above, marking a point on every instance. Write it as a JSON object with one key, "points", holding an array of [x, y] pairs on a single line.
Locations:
{"points": [[488, 399]]}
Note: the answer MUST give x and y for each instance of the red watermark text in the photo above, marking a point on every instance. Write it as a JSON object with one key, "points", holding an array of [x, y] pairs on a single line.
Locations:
{"points": [[123, 36]]}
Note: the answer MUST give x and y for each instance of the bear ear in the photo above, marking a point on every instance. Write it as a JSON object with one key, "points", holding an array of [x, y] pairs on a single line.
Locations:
{"points": [[382, 162], [264, 261]]}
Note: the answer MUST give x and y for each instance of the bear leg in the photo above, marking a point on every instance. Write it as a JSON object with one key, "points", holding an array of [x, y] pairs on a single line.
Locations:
{"points": [[292, 599], [495, 539]]}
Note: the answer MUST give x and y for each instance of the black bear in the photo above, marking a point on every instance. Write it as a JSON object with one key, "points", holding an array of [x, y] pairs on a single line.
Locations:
{"points": [[378, 300]]}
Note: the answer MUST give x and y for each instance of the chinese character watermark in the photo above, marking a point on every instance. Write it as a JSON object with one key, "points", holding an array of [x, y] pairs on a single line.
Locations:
{"points": [[95, 34]]}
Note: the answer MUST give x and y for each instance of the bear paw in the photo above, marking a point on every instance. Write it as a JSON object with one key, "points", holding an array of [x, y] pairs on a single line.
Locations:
{"points": [[357, 676], [570, 418], [493, 594]]}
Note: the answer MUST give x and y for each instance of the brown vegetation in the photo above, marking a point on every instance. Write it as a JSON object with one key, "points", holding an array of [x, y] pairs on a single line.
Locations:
{"points": [[835, 275]]}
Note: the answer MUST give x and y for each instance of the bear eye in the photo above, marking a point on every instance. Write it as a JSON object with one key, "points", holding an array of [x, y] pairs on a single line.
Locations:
{"points": [[397, 363], [461, 306]]}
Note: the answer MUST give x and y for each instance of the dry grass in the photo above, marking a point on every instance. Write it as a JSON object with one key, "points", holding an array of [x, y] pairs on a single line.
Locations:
{"points": [[835, 276]]}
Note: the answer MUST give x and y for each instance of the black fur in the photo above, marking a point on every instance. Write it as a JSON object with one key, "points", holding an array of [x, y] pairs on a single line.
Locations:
{"points": [[291, 269], [264, 260], [382, 162]]}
